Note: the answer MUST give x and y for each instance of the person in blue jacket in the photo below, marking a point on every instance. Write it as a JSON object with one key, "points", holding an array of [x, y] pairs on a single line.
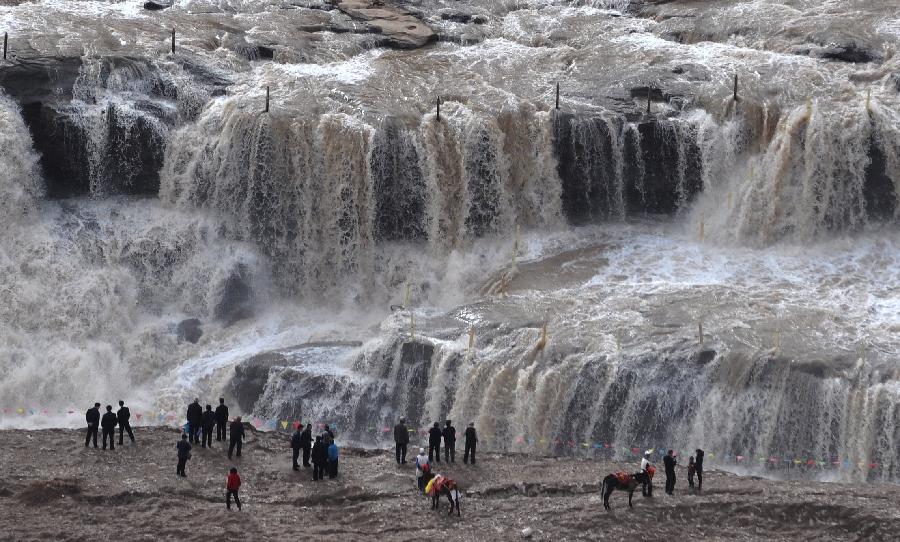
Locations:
{"points": [[333, 460]]}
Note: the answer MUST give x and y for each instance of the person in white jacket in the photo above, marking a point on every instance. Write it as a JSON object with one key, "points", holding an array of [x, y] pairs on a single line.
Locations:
{"points": [[647, 489], [423, 465]]}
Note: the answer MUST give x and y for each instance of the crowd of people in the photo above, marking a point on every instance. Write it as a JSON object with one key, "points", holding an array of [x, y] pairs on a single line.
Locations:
{"points": [[321, 452], [694, 468], [435, 435]]}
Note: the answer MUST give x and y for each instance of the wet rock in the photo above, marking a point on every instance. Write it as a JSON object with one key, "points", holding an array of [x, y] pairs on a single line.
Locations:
{"points": [[189, 330], [397, 26], [895, 79], [43, 79], [236, 302], [157, 5], [250, 378], [851, 51]]}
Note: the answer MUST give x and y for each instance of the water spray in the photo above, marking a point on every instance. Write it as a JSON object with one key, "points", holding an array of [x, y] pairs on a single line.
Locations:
{"points": [[471, 343]]}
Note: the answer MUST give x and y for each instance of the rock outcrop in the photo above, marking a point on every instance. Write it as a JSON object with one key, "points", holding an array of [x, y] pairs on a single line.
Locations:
{"points": [[399, 28]]}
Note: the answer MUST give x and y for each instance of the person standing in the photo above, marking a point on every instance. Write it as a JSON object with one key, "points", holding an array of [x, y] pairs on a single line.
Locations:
{"points": [[691, 469], [647, 489], [232, 485], [194, 419], [296, 445], [207, 423], [434, 443], [333, 454], [237, 437], [401, 440], [319, 458], [122, 416], [449, 443], [423, 465], [471, 443], [698, 467], [108, 424], [306, 444], [184, 453], [221, 420], [92, 417], [327, 435], [669, 463]]}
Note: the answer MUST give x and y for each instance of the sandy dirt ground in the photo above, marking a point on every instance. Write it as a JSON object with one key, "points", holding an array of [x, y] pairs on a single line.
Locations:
{"points": [[56, 489]]}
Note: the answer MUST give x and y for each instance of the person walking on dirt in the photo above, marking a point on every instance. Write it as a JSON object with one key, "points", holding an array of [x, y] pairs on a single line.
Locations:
{"points": [[319, 458], [206, 424], [449, 433], [401, 441], [471, 442], [92, 417], [194, 419], [237, 437], [669, 462], [108, 424], [184, 453], [221, 420], [698, 467], [434, 443], [296, 445], [232, 485], [122, 416], [691, 469], [306, 441]]}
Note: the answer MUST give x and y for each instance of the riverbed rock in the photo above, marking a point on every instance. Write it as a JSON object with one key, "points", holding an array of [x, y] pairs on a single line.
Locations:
{"points": [[398, 27], [236, 302], [157, 5], [189, 330]]}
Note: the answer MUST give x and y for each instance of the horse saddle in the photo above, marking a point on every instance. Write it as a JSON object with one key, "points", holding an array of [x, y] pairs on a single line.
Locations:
{"points": [[623, 477]]}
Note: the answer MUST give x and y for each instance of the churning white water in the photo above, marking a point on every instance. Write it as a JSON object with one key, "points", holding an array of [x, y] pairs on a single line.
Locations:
{"points": [[655, 263]]}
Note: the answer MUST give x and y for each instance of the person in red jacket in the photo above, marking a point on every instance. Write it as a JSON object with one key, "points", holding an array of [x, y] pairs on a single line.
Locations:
{"points": [[232, 487]]}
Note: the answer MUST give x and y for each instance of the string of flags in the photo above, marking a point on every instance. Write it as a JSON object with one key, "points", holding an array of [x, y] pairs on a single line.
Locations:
{"points": [[768, 461]]}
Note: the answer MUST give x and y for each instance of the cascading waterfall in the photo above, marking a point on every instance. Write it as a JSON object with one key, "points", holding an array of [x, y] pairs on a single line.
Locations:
{"points": [[145, 192]]}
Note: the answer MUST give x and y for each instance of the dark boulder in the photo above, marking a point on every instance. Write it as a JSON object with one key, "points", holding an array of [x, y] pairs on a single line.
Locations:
{"points": [[43, 79], [250, 378], [189, 330], [850, 51], [157, 5], [236, 302]]}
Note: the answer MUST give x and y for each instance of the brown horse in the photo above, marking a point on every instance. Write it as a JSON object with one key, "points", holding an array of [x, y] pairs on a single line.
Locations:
{"points": [[444, 486], [622, 482]]}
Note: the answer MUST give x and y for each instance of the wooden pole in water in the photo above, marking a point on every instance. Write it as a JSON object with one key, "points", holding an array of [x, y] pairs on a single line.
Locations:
{"points": [[439, 109], [557, 94], [700, 331], [735, 87], [649, 95], [173, 41], [267, 99], [5, 43]]}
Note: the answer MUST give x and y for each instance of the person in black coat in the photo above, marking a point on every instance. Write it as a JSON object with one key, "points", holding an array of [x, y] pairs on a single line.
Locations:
{"points": [[327, 436], [296, 445], [306, 443], [195, 420], [92, 417], [184, 453], [221, 420], [108, 424], [122, 416], [401, 441], [669, 463], [471, 442], [698, 467], [319, 458], [207, 423], [237, 437], [434, 443], [449, 443]]}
